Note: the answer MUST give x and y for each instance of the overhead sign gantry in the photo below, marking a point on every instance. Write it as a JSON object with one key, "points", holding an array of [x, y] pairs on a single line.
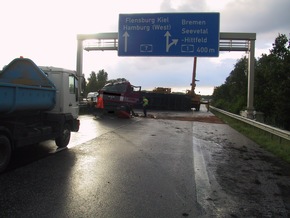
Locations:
{"points": [[188, 43]]}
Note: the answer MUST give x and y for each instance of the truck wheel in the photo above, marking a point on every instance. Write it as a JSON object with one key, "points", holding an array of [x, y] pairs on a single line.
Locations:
{"points": [[5, 152], [63, 140]]}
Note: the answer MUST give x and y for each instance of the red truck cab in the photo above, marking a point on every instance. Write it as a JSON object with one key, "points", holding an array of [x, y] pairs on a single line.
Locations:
{"points": [[120, 96]]}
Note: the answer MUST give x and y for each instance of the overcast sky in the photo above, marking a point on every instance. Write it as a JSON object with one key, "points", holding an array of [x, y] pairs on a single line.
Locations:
{"points": [[46, 32]]}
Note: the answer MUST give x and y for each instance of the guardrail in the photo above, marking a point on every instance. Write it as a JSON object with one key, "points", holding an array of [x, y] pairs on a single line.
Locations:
{"points": [[272, 130]]}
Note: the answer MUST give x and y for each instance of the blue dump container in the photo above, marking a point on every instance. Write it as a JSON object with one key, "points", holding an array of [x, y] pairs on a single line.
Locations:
{"points": [[25, 87]]}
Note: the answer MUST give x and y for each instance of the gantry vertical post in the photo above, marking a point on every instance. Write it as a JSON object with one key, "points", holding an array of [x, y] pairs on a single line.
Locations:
{"points": [[251, 78], [79, 66]]}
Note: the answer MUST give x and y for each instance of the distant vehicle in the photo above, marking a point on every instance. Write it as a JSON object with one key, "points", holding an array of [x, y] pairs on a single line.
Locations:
{"points": [[120, 96], [92, 97]]}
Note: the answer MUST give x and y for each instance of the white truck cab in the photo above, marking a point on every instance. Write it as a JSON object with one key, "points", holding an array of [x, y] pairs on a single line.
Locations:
{"points": [[66, 84]]}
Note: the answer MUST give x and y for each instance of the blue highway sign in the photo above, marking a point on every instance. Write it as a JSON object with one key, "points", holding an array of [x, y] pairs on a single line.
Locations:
{"points": [[169, 34]]}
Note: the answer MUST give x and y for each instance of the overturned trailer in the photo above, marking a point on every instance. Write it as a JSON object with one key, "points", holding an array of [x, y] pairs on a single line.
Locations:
{"points": [[164, 101]]}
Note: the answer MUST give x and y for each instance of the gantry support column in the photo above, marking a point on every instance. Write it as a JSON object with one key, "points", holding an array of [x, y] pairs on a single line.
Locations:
{"points": [[251, 78], [79, 66]]}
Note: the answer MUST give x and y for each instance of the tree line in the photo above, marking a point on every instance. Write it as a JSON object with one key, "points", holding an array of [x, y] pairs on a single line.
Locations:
{"points": [[272, 85]]}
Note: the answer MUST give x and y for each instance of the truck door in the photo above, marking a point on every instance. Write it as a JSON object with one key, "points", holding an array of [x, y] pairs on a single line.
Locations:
{"points": [[73, 107]]}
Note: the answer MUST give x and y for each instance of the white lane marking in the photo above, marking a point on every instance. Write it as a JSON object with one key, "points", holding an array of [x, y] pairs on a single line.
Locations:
{"points": [[203, 187]]}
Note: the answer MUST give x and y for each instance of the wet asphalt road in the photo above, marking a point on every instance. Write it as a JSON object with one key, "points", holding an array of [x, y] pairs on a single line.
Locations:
{"points": [[123, 168], [137, 167]]}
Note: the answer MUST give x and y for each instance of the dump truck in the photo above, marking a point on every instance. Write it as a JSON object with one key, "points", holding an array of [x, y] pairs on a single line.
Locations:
{"points": [[36, 104]]}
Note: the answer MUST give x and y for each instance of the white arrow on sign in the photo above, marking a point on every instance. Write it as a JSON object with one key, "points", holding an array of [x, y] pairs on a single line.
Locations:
{"points": [[168, 45], [126, 35]]}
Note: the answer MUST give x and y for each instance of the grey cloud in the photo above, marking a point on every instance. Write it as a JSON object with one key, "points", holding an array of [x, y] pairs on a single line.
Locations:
{"points": [[185, 6], [256, 16]]}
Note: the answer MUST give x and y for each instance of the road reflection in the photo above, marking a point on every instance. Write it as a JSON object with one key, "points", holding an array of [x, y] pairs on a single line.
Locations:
{"points": [[91, 128]]}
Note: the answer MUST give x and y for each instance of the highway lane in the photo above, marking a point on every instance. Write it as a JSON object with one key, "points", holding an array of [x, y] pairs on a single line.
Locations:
{"points": [[144, 167], [132, 168]]}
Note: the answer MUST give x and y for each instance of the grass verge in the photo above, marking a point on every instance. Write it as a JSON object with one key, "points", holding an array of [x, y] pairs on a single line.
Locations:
{"points": [[276, 145]]}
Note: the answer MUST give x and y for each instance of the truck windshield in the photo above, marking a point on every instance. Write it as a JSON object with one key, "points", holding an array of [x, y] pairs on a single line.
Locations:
{"points": [[115, 88]]}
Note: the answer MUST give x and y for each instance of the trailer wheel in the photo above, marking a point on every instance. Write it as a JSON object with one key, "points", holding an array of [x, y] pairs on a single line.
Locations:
{"points": [[5, 152], [63, 140]]}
